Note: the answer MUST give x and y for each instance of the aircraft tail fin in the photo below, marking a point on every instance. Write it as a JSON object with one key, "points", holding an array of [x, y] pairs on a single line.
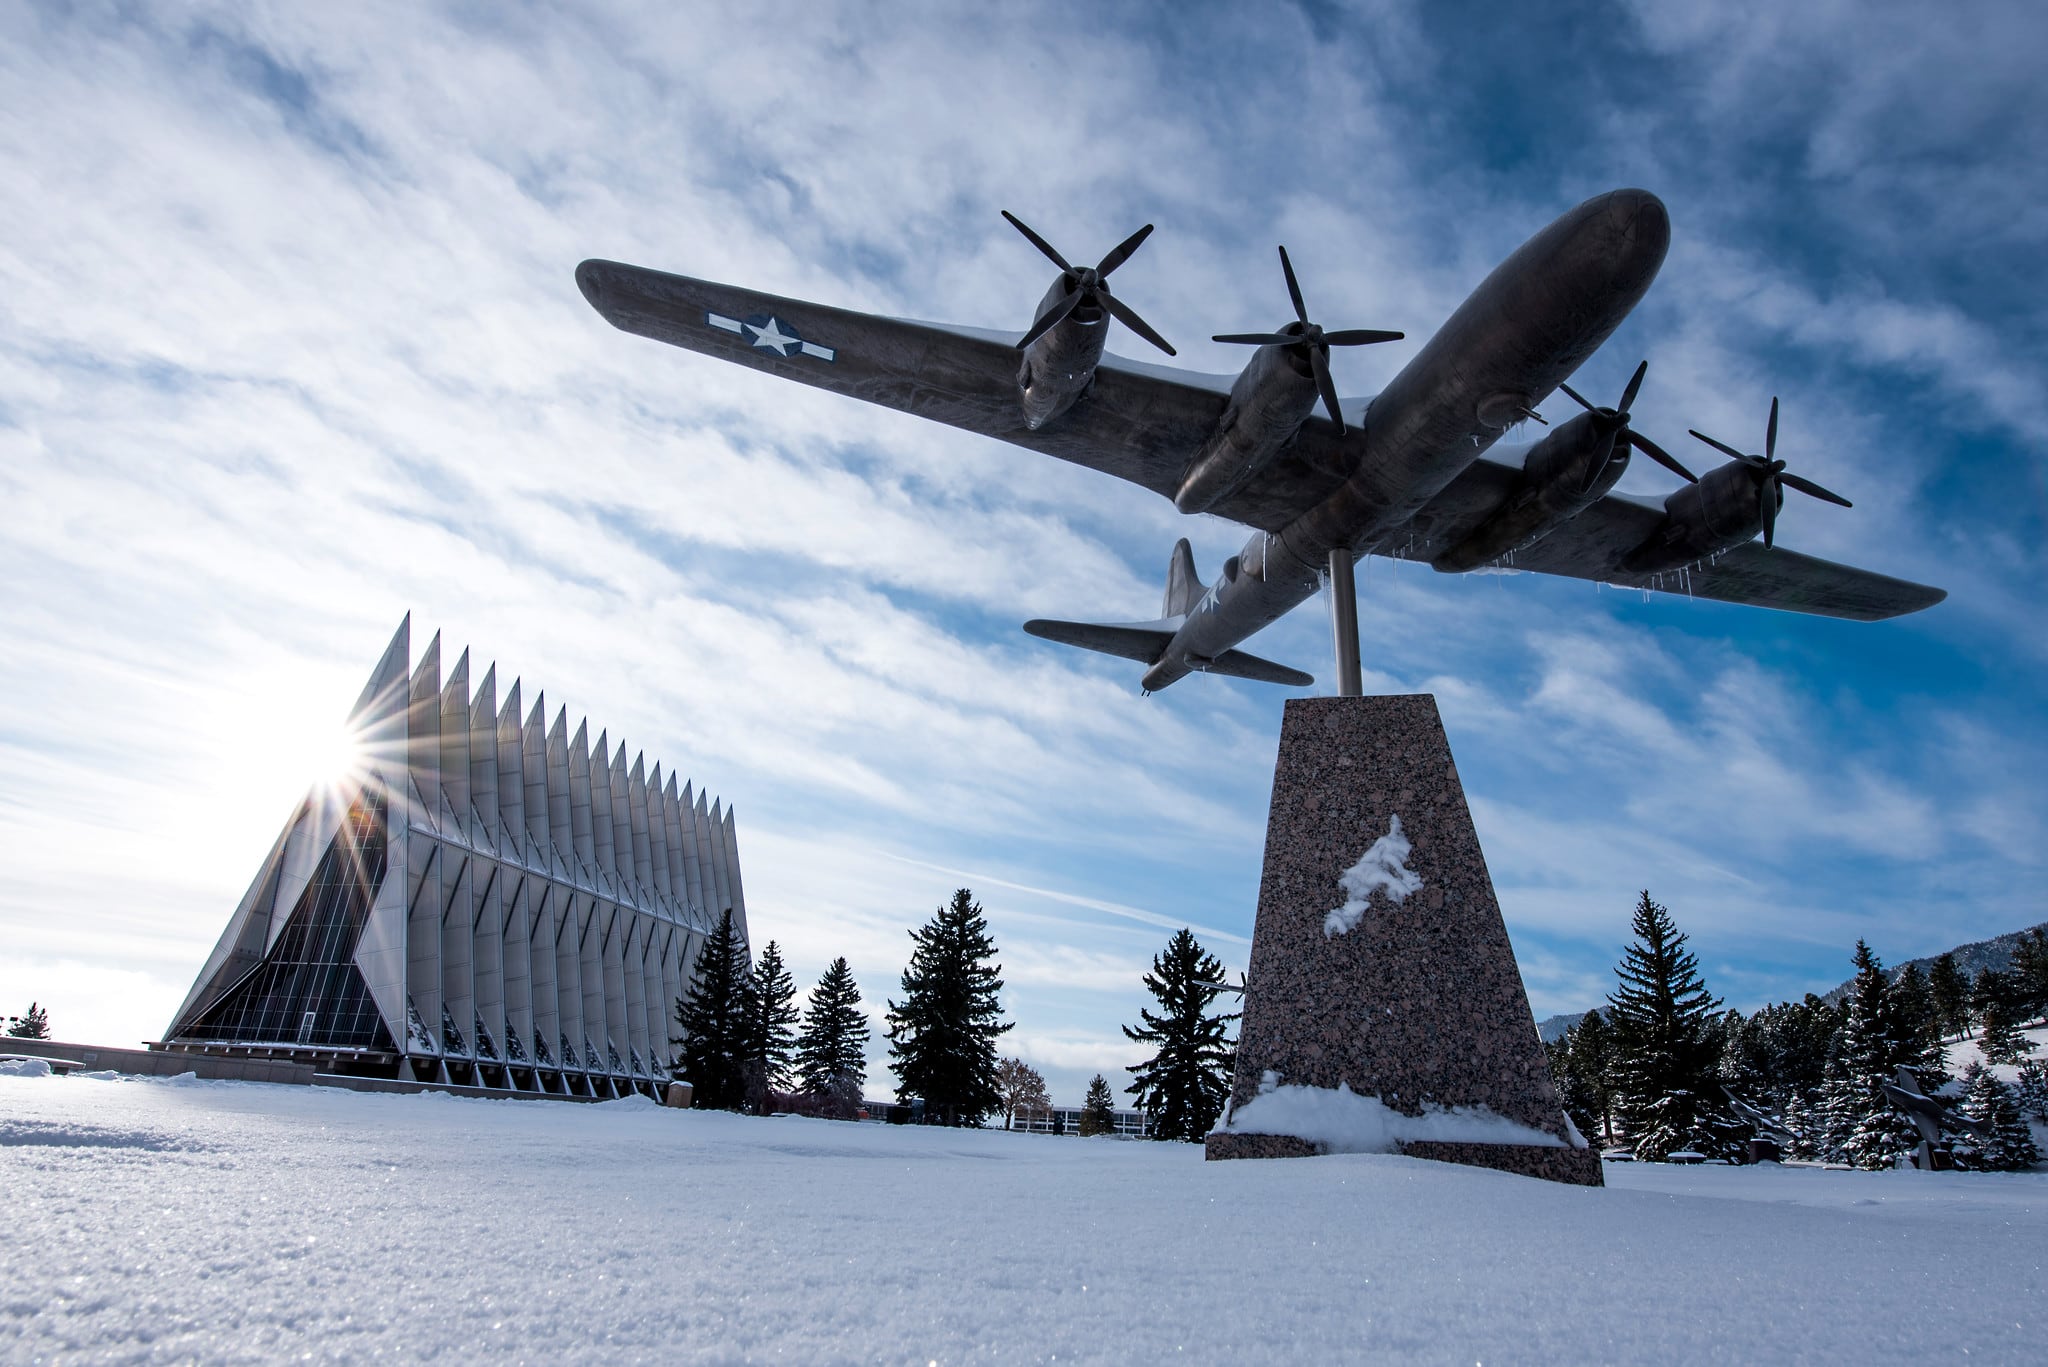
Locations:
{"points": [[1183, 588]]}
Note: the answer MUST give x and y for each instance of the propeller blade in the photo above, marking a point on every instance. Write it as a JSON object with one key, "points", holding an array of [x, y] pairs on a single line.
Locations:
{"points": [[1594, 472], [1723, 447], [1577, 397], [1051, 317], [1122, 251], [1771, 432], [1122, 313], [1361, 337], [1628, 396], [1038, 242], [1767, 495], [1660, 455], [1807, 486], [1319, 358], [1293, 288], [1258, 338]]}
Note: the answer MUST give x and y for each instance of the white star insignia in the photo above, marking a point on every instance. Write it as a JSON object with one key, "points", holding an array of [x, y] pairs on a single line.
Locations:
{"points": [[772, 337]]}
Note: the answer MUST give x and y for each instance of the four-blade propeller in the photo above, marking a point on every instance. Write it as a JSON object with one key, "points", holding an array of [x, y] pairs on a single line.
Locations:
{"points": [[1312, 340], [1769, 473], [1086, 286], [1615, 420]]}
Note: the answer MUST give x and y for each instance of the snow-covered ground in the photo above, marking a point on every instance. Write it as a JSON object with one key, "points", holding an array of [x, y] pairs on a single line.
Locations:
{"points": [[179, 1220]]}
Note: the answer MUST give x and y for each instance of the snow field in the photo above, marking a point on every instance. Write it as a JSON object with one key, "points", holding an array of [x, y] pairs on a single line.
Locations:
{"points": [[231, 1222]]}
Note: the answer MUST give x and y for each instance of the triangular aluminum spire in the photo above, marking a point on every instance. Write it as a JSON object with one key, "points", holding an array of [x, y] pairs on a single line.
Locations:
{"points": [[386, 688]]}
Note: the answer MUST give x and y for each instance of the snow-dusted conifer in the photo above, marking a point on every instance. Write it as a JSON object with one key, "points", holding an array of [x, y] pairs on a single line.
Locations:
{"points": [[1666, 1092], [2004, 1143], [1998, 1036], [2030, 974], [1580, 1060], [1950, 992], [942, 1035], [831, 1049], [1863, 1126], [2031, 1090], [1186, 1081], [1803, 1127]]}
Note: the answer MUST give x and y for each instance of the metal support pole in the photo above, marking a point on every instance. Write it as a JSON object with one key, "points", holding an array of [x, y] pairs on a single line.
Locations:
{"points": [[1344, 623]]}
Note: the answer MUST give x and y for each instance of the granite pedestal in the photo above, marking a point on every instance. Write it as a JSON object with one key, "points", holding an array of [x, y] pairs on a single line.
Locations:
{"points": [[1380, 962]]}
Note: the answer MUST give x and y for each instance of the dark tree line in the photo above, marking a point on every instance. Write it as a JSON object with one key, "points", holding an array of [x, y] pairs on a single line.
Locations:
{"points": [[741, 1047], [744, 1045], [1656, 1068]]}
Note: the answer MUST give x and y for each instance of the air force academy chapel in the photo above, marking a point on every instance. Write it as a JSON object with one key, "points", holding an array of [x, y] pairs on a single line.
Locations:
{"points": [[484, 900]]}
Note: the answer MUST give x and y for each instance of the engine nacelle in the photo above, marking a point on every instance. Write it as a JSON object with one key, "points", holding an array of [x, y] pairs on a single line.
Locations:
{"points": [[1268, 405], [1551, 492], [1723, 510], [1058, 368]]}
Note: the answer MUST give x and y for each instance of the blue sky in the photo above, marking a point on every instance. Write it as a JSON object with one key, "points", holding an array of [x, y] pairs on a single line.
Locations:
{"points": [[290, 345]]}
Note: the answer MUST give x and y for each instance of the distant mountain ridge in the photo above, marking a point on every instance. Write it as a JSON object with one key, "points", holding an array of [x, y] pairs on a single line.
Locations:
{"points": [[1971, 959], [1556, 1027]]}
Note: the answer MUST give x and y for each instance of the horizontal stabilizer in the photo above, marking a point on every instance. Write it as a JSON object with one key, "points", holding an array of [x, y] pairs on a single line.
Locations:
{"points": [[1144, 642], [1238, 665]]}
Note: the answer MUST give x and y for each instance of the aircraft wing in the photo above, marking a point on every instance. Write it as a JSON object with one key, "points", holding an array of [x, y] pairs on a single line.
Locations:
{"points": [[1141, 423], [1591, 546]]}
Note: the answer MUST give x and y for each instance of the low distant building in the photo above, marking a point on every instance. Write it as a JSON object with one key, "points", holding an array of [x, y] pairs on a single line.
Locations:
{"points": [[486, 900], [1067, 1120]]}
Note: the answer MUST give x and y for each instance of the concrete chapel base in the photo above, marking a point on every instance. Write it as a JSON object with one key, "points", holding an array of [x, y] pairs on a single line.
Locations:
{"points": [[1418, 1004]]}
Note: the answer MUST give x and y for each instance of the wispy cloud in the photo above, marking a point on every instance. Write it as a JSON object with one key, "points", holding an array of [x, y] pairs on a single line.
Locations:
{"points": [[289, 344]]}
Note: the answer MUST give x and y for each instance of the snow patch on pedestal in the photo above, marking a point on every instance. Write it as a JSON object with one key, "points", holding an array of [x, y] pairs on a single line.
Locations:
{"points": [[1342, 1121], [1383, 868]]}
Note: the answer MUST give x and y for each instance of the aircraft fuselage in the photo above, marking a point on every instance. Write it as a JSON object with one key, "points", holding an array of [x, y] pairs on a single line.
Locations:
{"points": [[1530, 323]]}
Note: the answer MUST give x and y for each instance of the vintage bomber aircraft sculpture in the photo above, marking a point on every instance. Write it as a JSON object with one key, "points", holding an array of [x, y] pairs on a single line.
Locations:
{"points": [[1412, 479]]}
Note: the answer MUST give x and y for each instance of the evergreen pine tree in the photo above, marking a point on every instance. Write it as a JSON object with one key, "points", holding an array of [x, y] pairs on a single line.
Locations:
{"points": [[1745, 1054], [2031, 1091], [1998, 1034], [1987, 987], [1920, 1028], [771, 1030], [1799, 1039], [2004, 1143], [1571, 1087], [715, 1020], [1098, 1108], [831, 1050], [1951, 994], [1186, 1081], [1664, 1042], [1863, 1126], [2030, 975], [1804, 1128], [35, 1025], [1580, 1060], [942, 1036]]}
